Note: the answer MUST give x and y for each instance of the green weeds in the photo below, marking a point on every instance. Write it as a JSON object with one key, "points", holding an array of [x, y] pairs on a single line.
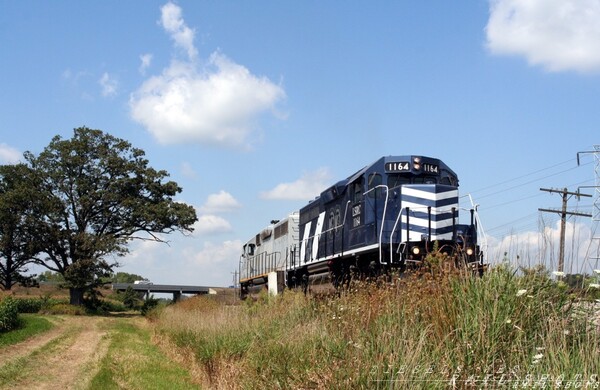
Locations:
{"points": [[31, 326], [434, 328], [134, 362]]}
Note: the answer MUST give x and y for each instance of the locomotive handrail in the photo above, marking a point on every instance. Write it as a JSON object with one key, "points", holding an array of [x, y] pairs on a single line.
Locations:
{"points": [[335, 227], [408, 230], [260, 264], [394, 230], [328, 230], [382, 219], [484, 243]]}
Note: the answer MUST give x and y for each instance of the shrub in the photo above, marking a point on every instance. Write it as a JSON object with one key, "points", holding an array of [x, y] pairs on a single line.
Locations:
{"points": [[29, 305], [110, 305], [131, 299], [35, 305], [9, 314], [149, 305]]}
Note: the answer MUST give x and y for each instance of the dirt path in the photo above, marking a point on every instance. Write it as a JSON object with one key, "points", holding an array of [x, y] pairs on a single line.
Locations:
{"points": [[64, 358]]}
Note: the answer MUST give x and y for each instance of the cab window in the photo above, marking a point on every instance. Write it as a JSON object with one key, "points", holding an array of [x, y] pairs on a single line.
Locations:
{"points": [[424, 180], [357, 189], [394, 181]]}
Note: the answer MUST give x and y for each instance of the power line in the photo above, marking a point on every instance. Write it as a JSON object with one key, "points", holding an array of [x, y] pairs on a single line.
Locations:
{"points": [[511, 201], [523, 184], [513, 221], [527, 175]]}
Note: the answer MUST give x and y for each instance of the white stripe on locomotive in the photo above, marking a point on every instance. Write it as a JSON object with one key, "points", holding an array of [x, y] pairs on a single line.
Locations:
{"points": [[318, 231], [419, 193], [304, 240]]}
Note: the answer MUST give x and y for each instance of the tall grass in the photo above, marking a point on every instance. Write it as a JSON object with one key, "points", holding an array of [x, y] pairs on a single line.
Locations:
{"points": [[436, 328]]}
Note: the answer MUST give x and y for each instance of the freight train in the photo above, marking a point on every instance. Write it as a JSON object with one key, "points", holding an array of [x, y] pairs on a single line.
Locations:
{"points": [[388, 215]]}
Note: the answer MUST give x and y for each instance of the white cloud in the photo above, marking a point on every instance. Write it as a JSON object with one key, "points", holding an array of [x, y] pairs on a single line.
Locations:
{"points": [[558, 35], [9, 155], [211, 224], [221, 202], [217, 105], [173, 23], [108, 84], [309, 185], [213, 264], [532, 247], [216, 102], [146, 60], [212, 255], [184, 262]]}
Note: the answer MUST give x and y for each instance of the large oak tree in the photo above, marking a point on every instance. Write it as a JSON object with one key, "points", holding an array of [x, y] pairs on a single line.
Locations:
{"points": [[98, 194]]}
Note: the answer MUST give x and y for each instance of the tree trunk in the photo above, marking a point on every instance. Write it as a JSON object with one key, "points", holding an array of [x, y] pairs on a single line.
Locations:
{"points": [[8, 282], [76, 296]]}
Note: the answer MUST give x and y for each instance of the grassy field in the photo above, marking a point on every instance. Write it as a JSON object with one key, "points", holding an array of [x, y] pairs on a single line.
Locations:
{"points": [[439, 329], [436, 329], [87, 352], [31, 326], [134, 362]]}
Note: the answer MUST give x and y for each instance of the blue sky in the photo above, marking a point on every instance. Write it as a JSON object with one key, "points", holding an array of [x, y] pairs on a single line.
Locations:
{"points": [[254, 107]]}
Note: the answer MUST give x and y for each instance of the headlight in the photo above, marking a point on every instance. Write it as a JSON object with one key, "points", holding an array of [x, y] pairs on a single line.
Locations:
{"points": [[416, 163], [469, 251], [416, 250]]}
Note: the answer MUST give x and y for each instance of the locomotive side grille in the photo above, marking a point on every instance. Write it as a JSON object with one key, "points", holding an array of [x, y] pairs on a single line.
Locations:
{"points": [[281, 230]]}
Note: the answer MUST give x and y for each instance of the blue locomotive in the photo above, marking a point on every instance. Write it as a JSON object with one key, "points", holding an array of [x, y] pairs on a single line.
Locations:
{"points": [[390, 214]]}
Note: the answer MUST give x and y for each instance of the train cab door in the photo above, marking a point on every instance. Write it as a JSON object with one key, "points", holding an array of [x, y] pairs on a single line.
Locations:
{"points": [[356, 234], [374, 202], [333, 231]]}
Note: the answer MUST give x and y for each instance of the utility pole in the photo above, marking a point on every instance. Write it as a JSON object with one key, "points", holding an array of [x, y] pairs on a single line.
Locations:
{"points": [[563, 219]]}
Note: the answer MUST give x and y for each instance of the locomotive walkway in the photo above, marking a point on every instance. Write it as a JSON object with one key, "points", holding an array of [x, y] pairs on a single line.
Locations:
{"points": [[174, 289]]}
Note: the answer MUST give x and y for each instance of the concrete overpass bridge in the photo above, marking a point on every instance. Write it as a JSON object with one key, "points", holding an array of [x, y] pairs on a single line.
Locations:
{"points": [[176, 290]]}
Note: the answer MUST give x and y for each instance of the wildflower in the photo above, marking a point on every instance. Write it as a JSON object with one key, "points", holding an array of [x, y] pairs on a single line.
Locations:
{"points": [[594, 285], [521, 292], [558, 273], [566, 332], [537, 358], [508, 321], [597, 271]]}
